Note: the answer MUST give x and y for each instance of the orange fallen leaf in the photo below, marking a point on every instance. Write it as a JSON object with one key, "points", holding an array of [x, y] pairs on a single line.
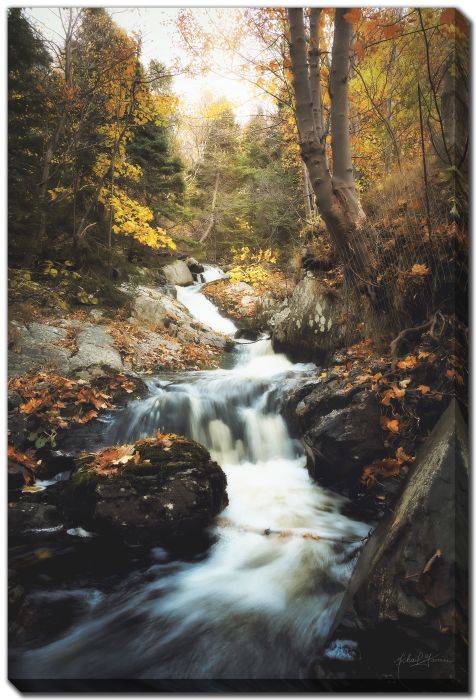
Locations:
{"points": [[423, 388], [31, 406], [393, 393], [390, 424], [402, 456], [87, 417], [408, 363]]}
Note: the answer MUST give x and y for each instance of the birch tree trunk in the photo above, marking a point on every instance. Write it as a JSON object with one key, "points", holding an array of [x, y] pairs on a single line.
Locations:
{"points": [[306, 192], [314, 72], [336, 195]]}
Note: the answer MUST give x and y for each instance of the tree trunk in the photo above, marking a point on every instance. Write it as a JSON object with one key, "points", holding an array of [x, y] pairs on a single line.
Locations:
{"points": [[336, 195], [314, 73], [306, 192]]}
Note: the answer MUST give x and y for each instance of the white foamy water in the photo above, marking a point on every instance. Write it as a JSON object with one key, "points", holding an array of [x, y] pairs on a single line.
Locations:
{"points": [[263, 600], [202, 308]]}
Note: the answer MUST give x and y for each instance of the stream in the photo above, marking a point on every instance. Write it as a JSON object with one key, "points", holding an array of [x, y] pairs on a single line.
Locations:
{"points": [[261, 601]]}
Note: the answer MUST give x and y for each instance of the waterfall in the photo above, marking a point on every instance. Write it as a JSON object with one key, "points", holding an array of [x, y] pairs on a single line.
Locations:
{"points": [[202, 308], [262, 601]]}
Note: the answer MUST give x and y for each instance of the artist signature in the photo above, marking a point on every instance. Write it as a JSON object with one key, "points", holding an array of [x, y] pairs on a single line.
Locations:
{"points": [[418, 659]]}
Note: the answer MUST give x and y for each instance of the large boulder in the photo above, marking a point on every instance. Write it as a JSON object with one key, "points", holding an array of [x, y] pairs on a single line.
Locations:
{"points": [[340, 430], [409, 587], [36, 346], [306, 404], [167, 493], [154, 307], [163, 311], [41, 346], [178, 272], [95, 350], [266, 309], [310, 325]]}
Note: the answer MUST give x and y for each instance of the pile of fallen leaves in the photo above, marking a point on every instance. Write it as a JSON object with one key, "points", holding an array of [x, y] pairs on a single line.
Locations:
{"points": [[230, 300], [111, 461], [182, 356], [58, 402], [241, 303], [412, 391], [27, 459], [130, 338]]}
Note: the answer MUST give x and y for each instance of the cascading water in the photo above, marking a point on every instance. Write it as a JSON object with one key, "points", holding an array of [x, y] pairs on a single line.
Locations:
{"points": [[263, 599], [202, 308]]}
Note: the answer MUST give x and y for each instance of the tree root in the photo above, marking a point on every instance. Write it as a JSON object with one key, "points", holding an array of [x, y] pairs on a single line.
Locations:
{"points": [[409, 334]]}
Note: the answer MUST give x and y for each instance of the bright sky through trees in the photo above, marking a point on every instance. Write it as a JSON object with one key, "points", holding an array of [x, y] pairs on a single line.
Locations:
{"points": [[161, 41]]}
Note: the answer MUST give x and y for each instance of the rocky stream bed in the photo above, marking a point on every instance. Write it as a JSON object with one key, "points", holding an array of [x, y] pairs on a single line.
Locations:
{"points": [[214, 523]]}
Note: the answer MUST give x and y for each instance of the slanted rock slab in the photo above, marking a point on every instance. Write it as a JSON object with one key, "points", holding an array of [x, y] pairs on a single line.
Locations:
{"points": [[409, 582]]}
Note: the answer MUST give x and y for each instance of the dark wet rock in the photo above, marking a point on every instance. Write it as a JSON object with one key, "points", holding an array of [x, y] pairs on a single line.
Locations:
{"points": [[341, 434], [194, 266], [18, 476], [247, 334], [26, 515], [169, 497], [306, 404], [44, 616], [344, 440], [53, 462], [16, 593], [18, 427], [14, 400], [409, 582]]}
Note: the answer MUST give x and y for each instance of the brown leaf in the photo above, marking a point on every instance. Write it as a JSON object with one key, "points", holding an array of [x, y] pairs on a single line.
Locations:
{"points": [[453, 374], [390, 424], [87, 417], [420, 270], [402, 456], [408, 363], [393, 393], [380, 469], [32, 405]]}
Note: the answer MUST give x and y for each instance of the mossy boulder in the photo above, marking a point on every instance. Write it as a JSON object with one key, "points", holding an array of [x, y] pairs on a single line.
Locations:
{"points": [[156, 492]]}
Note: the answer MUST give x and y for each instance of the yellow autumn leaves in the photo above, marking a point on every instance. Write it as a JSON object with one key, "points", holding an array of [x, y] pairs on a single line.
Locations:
{"points": [[251, 266], [133, 219]]}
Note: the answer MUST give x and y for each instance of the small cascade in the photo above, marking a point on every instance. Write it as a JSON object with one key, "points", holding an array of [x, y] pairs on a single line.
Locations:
{"points": [[202, 308], [258, 605]]}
